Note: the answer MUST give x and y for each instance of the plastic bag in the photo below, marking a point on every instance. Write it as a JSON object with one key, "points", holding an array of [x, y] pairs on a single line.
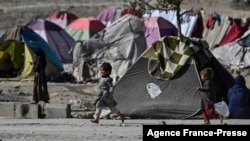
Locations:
{"points": [[153, 90], [221, 108]]}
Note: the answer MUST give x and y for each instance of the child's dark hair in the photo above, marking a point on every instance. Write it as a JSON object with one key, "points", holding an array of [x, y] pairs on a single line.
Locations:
{"points": [[106, 66], [208, 72]]}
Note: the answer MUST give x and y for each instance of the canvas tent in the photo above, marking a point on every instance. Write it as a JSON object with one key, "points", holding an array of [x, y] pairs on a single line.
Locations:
{"points": [[190, 21], [109, 15], [216, 28], [33, 40], [62, 18], [20, 55], [162, 82], [237, 29], [112, 13], [157, 27], [236, 53], [84, 28], [60, 41], [120, 44]]}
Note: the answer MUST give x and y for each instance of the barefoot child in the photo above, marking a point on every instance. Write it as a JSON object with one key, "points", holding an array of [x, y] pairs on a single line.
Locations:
{"points": [[105, 96], [208, 96]]}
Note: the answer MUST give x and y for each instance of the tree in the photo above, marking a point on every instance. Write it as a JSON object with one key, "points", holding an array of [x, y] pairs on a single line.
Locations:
{"points": [[146, 6]]}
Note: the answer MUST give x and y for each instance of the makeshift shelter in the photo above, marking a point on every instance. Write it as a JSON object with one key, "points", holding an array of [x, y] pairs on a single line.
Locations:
{"points": [[236, 53], [216, 28], [61, 42], [62, 18], [132, 11], [33, 40], [191, 21], [120, 44], [237, 29], [20, 56], [162, 82], [84, 28], [157, 27], [112, 13]]}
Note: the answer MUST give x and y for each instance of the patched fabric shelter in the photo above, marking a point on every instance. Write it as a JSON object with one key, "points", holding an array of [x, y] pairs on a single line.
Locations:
{"points": [[235, 54], [191, 22], [162, 82], [120, 44]]}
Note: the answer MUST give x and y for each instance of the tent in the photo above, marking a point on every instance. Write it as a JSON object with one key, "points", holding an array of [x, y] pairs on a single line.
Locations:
{"points": [[237, 29], [56, 37], [236, 53], [131, 11], [33, 40], [120, 44], [21, 55], [84, 28], [109, 15], [157, 27], [112, 13], [216, 28], [62, 18], [15, 60], [162, 82], [190, 21]]}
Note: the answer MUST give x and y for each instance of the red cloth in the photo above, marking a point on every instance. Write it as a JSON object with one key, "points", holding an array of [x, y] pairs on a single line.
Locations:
{"points": [[199, 28], [132, 12], [210, 21], [209, 111], [234, 33]]}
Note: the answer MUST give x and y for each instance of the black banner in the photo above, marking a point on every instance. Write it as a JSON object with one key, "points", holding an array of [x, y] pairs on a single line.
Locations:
{"points": [[161, 132]]}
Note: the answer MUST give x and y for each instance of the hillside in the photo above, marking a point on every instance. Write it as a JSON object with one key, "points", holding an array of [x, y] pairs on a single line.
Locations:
{"points": [[16, 12]]}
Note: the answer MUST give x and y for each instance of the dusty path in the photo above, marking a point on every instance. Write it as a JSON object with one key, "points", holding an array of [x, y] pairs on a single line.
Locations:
{"points": [[14, 91], [68, 130], [84, 130]]}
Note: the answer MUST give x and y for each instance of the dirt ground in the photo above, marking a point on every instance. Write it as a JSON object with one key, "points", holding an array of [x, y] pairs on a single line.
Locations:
{"points": [[59, 92], [107, 130]]}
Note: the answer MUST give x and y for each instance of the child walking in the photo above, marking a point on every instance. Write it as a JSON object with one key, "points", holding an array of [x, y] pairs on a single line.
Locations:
{"points": [[208, 95], [105, 96]]}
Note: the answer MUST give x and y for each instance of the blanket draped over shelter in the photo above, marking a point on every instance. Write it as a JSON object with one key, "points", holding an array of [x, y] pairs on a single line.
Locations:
{"points": [[162, 82], [172, 54]]}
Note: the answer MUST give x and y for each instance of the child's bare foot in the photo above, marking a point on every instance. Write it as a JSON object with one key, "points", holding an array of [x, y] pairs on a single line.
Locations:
{"points": [[122, 118], [221, 119], [206, 123]]}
